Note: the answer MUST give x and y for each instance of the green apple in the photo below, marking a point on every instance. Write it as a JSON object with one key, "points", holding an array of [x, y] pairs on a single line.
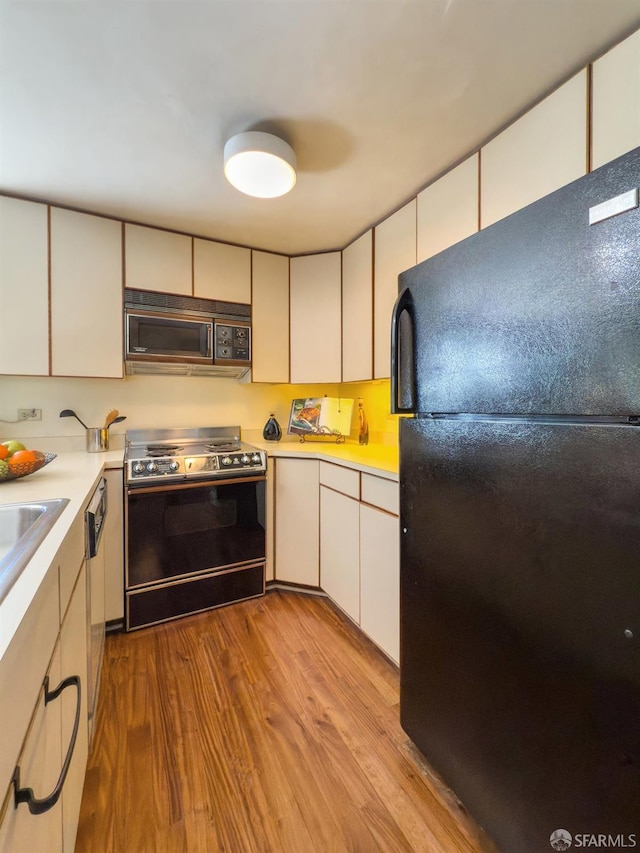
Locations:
{"points": [[13, 446]]}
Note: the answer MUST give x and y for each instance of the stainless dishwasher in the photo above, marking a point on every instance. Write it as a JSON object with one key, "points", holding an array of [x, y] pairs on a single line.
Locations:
{"points": [[95, 517]]}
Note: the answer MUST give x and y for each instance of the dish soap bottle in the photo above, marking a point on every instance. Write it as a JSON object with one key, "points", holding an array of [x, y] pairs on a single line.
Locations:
{"points": [[363, 425], [272, 431]]}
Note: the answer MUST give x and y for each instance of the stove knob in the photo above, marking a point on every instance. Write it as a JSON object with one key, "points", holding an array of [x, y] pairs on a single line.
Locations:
{"points": [[226, 460], [152, 467], [173, 466], [255, 458], [244, 459], [138, 467]]}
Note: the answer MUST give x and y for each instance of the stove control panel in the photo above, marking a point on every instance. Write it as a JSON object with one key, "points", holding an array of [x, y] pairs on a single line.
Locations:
{"points": [[199, 465]]}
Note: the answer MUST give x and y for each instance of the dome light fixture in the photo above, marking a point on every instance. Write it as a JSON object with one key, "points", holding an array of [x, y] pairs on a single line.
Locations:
{"points": [[260, 164]]}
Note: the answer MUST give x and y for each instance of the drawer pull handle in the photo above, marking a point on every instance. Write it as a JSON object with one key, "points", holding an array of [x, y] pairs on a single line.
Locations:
{"points": [[26, 795]]}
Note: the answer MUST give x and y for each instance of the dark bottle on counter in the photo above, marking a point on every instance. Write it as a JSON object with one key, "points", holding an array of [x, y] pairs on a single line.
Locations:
{"points": [[363, 425], [272, 431]]}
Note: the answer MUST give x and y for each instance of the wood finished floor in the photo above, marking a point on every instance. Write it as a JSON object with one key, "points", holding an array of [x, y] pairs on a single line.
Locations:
{"points": [[270, 725]]}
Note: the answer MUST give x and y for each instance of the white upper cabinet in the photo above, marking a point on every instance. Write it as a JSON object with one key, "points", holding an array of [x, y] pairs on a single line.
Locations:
{"points": [[86, 295], [357, 309], [541, 152], [270, 318], [395, 251], [316, 342], [158, 260], [616, 102], [221, 271], [24, 287], [448, 209]]}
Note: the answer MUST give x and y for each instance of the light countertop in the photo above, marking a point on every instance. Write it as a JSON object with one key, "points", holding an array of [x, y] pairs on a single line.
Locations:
{"points": [[378, 459], [71, 475]]}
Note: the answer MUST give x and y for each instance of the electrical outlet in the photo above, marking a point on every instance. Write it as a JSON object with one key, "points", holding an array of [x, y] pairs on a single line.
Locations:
{"points": [[29, 414]]}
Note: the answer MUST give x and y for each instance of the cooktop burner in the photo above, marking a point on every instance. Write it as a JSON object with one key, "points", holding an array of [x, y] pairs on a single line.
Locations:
{"points": [[163, 449], [153, 456]]}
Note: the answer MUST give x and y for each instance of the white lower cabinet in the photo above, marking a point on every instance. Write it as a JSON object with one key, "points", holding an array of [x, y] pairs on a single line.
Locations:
{"points": [[41, 734], [40, 761], [296, 527], [359, 551], [340, 550], [380, 579]]}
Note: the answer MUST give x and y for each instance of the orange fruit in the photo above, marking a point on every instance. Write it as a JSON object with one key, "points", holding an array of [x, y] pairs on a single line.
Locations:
{"points": [[3, 452], [20, 458]]}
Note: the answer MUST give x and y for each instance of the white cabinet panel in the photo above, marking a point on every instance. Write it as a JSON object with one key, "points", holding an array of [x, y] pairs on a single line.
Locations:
{"points": [[616, 102], [448, 209], [316, 336], [395, 251], [541, 152], [24, 288], [342, 479], [23, 666], [297, 542], [221, 271], [381, 493], [340, 550], [158, 260], [73, 661], [113, 539], [357, 309], [270, 318], [380, 579], [86, 295], [270, 520], [40, 762]]}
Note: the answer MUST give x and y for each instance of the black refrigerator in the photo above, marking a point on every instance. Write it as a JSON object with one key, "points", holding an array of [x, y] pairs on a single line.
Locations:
{"points": [[517, 353]]}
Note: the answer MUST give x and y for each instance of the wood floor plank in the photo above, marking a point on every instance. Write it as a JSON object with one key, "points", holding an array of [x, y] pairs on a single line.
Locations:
{"points": [[269, 726]]}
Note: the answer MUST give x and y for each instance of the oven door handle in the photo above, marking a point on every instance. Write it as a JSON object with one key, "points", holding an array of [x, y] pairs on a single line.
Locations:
{"points": [[193, 484]]}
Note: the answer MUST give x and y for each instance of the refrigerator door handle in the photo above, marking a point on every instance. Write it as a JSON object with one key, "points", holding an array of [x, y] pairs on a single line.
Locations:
{"points": [[404, 303]]}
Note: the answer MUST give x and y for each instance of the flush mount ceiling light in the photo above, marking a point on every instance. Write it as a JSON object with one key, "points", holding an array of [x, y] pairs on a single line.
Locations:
{"points": [[260, 164]]}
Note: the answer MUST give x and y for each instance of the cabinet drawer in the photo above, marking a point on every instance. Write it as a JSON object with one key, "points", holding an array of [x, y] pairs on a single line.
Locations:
{"points": [[22, 670], [344, 480], [381, 493], [69, 558]]}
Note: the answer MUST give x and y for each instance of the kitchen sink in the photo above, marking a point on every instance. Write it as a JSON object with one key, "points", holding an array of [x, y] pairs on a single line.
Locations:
{"points": [[23, 527]]}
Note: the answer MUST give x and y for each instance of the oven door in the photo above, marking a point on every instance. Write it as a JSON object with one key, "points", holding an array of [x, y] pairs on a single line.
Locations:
{"points": [[192, 546], [165, 337]]}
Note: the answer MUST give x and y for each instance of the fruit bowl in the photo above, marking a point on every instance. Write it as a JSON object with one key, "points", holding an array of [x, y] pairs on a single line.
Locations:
{"points": [[24, 468]]}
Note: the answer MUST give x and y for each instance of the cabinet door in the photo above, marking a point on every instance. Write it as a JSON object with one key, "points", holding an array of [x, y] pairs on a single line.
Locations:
{"points": [[539, 153], [357, 310], [316, 335], [616, 102], [395, 251], [340, 550], [270, 318], [221, 271], [380, 579], [113, 543], [270, 518], [86, 295], [297, 542], [40, 763], [158, 260], [448, 209], [73, 661], [24, 288]]}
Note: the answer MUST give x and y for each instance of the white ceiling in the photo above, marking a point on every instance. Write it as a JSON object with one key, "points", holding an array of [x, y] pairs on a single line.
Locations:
{"points": [[123, 106]]}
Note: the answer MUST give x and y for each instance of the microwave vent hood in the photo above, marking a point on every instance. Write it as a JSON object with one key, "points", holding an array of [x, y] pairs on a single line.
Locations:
{"points": [[173, 302], [159, 368]]}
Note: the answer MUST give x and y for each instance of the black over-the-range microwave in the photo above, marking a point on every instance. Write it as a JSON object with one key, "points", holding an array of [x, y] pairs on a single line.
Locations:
{"points": [[169, 333]]}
